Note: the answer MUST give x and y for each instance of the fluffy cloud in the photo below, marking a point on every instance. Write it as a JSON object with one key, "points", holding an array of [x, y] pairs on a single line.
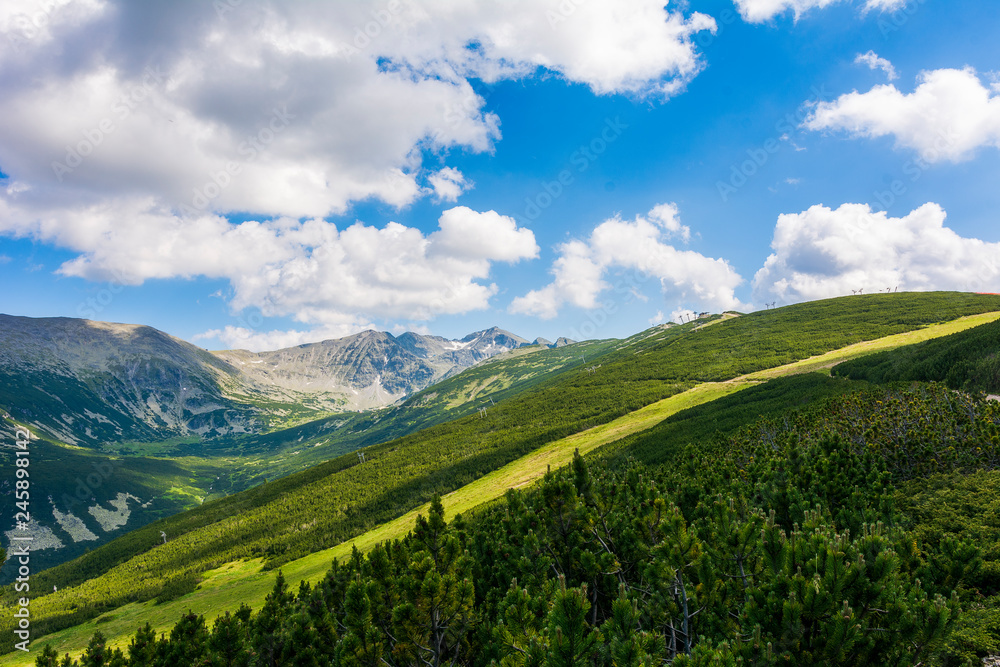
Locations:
{"points": [[131, 129], [823, 253], [448, 184], [949, 115], [472, 235], [315, 105], [758, 11], [669, 219], [638, 246], [248, 338], [873, 61], [329, 278], [218, 135]]}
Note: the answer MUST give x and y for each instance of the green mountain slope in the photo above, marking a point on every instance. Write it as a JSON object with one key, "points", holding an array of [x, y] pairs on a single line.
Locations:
{"points": [[969, 360], [327, 504], [481, 386], [182, 473], [769, 338], [81, 499], [186, 474], [843, 485]]}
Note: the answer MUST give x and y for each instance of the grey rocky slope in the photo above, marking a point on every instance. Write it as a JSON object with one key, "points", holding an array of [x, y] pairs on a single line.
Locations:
{"points": [[370, 369], [86, 383]]}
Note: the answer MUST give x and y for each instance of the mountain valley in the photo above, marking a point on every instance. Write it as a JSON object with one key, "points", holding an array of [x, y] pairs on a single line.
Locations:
{"points": [[132, 425], [691, 405]]}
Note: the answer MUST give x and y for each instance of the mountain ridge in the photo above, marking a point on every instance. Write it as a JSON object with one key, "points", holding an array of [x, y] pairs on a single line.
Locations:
{"points": [[340, 499], [371, 368], [87, 382], [191, 470]]}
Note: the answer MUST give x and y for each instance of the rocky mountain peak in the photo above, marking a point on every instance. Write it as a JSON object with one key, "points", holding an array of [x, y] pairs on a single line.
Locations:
{"points": [[102, 381]]}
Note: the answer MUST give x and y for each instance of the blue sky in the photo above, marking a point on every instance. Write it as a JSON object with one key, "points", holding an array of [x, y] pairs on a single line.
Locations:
{"points": [[580, 168]]}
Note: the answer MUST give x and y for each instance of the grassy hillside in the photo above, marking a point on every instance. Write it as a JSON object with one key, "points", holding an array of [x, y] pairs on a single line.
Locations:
{"points": [[325, 505], [903, 309], [969, 361], [759, 525], [802, 386], [161, 479], [716, 419], [769, 338], [498, 378], [406, 459]]}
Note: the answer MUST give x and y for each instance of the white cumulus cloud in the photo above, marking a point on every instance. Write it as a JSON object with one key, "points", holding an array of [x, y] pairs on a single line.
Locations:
{"points": [[669, 219], [315, 105], [885, 5], [246, 338], [473, 235], [640, 246], [948, 116], [825, 252], [874, 62], [448, 184], [332, 279], [133, 129]]}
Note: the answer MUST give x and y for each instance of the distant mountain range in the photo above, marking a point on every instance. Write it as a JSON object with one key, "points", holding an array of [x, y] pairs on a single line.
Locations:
{"points": [[86, 382], [369, 369]]}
